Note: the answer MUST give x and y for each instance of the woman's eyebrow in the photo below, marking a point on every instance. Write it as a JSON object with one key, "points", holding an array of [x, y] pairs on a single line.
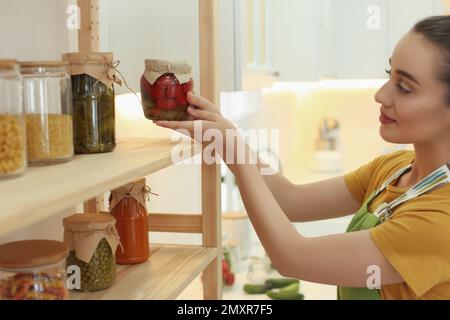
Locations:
{"points": [[405, 74]]}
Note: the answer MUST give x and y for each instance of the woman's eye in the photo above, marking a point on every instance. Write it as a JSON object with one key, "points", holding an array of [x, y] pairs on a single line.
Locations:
{"points": [[402, 90]]}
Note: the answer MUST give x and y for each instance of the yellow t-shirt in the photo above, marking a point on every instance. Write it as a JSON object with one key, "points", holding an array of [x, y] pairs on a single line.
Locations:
{"points": [[416, 239]]}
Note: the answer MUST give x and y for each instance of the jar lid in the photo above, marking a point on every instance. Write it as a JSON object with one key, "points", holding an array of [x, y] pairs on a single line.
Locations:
{"points": [[30, 64], [175, 67], [156, 68], [31, 253], [89, 222], [88, 57], [83, 233], [135, 189], [8, 64]]}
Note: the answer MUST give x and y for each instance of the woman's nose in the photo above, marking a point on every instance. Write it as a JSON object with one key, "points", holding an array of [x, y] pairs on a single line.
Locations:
{"points": [[383, 96]]}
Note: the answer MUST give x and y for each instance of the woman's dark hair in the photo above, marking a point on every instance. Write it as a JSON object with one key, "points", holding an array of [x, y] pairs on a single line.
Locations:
{"points": [[437, 30]]}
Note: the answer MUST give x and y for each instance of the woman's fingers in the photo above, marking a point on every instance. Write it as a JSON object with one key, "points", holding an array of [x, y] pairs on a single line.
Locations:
{"points": [[201, 102], [200, 114], [188, 117]]}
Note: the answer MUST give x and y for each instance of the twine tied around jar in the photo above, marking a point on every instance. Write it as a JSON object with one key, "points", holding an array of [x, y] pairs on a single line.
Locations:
{"points": [[100, 66], [85, 242], [137, 190], [113, 66]]}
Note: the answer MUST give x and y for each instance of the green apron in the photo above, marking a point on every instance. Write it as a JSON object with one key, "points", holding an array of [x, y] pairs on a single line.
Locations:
{"points": [[365, 220]]}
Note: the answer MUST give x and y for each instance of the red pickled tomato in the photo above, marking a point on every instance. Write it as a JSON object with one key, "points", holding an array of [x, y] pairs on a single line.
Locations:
{"points": [[172, 92], [188, 86], [157, 92], [181, 97], [145, 86], [166, 104], [167, 83]]}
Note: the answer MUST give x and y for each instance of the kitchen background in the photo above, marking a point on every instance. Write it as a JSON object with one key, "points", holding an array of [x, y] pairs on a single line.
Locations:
{"points": [[309, 68]]}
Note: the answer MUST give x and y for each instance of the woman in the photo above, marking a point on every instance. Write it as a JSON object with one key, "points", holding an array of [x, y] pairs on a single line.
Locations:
{"points": [[400, 236]]}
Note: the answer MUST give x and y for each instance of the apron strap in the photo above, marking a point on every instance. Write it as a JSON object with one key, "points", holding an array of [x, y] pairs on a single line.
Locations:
{"points": [[434, 180]]}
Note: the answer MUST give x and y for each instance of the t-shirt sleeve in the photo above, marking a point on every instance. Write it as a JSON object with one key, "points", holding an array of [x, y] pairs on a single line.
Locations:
{"points": [[417, 244], [357, 181]]}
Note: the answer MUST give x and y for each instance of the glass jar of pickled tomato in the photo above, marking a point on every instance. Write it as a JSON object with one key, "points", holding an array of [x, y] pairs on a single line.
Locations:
{"points": [[164, 86]]}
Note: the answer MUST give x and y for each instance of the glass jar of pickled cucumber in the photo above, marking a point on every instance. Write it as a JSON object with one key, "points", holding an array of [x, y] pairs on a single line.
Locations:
{"points": [[164, 87], [93, 101], [13, 161], [92, 240], [48, 108], [33, 270]]}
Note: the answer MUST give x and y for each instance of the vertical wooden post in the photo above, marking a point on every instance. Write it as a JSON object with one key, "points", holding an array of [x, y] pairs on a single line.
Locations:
{"points": [[211, 206], [89, 35], [94, 205], [89, 41]]}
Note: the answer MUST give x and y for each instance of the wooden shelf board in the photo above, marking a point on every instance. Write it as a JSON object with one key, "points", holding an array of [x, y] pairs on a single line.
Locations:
{"points": [[43, 191], [170, 269]]}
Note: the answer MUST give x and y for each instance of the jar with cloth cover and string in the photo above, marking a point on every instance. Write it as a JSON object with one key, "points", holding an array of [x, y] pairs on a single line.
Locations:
{"points": [[164, 88], [128, 206], [93, 76], [92, 240]]}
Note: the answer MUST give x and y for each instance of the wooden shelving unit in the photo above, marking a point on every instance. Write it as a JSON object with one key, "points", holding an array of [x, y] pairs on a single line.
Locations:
{"points": [[44, 191], [168, 272]]}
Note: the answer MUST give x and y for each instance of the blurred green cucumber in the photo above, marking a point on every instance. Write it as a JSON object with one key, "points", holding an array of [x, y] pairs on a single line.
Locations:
{"points": [[256, 288], [281, 282], [287, 293]]}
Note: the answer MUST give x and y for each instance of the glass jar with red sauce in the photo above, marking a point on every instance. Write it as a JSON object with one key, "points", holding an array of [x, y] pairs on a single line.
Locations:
{"points": [[164, 86], [127, 205]]}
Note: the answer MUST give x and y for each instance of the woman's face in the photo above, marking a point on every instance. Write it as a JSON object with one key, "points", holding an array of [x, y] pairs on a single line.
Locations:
{"points": [[414, 98]]}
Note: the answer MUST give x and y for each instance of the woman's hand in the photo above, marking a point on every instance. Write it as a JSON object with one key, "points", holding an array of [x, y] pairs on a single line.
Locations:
{"points": [[203, 119]]}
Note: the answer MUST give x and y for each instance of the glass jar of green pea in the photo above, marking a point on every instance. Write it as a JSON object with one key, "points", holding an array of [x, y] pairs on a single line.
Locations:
{"points": [[92, 240]]}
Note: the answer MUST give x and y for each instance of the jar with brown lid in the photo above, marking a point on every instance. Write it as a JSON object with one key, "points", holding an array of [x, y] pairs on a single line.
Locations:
{"points": [[48, 108], [33, 270], [92, 240], [13, 161]]}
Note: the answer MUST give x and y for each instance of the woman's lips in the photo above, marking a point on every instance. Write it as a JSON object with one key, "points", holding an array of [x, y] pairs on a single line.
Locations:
{"points": [[384, 119]]}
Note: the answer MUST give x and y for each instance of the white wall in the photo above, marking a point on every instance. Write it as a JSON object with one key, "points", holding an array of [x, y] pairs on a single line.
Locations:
{"points": [[135, 30], [34, 30], [315, 39], [293, 39]]}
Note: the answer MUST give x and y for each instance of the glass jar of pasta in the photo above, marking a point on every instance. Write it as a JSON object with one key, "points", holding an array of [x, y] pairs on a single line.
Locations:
{"points": [[33, 270], [13, 160], [48, 109]]}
